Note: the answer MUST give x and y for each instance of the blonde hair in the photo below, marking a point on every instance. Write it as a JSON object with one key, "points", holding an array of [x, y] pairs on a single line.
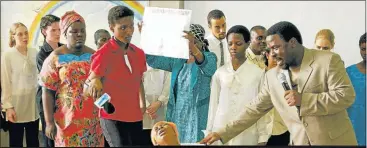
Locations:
{"points": [[12, 32], [173, 125], [327, 34]]}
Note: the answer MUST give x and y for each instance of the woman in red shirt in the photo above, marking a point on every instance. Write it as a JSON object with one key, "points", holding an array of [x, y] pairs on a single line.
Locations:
{"points": [[121, 66]]}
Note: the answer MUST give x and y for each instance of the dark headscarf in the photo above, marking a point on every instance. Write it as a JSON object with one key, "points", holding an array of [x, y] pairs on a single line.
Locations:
{"points": [[199, 32]]}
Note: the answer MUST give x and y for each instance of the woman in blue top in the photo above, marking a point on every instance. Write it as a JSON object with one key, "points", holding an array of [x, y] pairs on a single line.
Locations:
{"points": [[357, 112], [190, 85]]}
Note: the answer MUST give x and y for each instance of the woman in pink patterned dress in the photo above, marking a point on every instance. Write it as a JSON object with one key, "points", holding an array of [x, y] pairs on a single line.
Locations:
{"points": [[74, 121]]}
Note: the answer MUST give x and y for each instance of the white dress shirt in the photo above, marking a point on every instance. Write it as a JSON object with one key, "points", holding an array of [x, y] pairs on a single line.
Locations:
{"points": [[230, 92], [215, 47], [276, 126], [19, 84], [156, 87]]}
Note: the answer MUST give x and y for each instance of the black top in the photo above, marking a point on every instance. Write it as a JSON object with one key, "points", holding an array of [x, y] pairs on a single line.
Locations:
{"points": [[44, 52]]}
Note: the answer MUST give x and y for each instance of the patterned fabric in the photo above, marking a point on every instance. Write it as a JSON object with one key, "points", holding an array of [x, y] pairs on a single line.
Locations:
{"points": [[76, 116], [198, 31], [188, 102], [357, 112], [185, 116], [68, 18]]}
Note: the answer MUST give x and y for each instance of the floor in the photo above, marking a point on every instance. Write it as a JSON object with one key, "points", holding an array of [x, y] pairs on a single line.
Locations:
{"points": [[4, 136]]}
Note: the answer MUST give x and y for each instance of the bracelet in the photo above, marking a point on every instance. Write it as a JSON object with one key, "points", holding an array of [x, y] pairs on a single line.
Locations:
{"points": [[161, 103], [195, 54]]}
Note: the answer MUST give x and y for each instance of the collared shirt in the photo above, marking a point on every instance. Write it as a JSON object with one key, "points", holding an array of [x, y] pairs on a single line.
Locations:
{"points": [[214, 46], [44, 52], [230, 91], [276, 126], [156, 88], [121, 84], [256, 59], [19, 83]]}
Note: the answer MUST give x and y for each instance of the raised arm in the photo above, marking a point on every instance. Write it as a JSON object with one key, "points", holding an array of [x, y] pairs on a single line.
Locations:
{"points": [[340, 96], [209, 64], [161, 62]]}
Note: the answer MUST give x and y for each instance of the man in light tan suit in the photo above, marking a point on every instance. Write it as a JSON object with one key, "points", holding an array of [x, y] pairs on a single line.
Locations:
{"points": [[314, 110]]}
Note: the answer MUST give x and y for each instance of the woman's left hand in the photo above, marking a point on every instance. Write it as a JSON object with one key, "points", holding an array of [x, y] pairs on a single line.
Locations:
{"points": [[189, 36]]}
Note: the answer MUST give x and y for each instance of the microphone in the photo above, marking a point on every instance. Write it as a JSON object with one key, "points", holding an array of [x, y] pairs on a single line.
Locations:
{"points": [[108, 107], [103, 102], [283, 81]]}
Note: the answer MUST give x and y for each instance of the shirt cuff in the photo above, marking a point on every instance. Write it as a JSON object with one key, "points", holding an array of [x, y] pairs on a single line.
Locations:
{"points": [[263, 138], [203, 62], [222, 134], [163, 99], [6, 105]]}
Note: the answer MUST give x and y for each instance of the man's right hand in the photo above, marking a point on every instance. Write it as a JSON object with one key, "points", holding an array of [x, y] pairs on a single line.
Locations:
{"points": [[10, 114], [50, 131], [210, 138]]}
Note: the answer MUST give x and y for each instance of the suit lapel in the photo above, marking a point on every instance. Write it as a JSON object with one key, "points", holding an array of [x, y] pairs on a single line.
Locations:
{"points": [[306, 69]]}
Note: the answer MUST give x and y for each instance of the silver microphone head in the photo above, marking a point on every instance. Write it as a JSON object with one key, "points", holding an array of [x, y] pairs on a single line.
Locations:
{"points": [[282, 77]]}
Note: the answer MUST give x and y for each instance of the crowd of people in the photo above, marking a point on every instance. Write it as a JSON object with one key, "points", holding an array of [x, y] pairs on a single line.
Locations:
{"points": [[229, 92]]}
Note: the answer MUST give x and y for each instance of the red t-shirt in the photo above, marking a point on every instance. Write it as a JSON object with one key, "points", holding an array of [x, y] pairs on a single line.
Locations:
{"points": [[122, 85]]}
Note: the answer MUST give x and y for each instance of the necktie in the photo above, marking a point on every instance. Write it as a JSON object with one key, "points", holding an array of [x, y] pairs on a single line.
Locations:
{"points": [[221, 54]]}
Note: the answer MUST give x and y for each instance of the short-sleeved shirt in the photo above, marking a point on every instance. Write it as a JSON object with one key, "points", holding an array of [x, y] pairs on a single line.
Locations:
{"points": [[118, 82]]}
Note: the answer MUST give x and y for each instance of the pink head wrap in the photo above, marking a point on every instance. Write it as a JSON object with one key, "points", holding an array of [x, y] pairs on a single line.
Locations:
{"points": [[68, 18]]}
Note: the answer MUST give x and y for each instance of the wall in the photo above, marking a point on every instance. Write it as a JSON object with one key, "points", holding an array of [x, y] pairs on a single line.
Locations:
{"points": [[167, 4], [345, 18], [95, 15]]}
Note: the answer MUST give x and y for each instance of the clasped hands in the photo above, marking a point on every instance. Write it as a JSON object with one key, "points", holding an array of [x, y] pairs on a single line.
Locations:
{"points": [[153, 108]]}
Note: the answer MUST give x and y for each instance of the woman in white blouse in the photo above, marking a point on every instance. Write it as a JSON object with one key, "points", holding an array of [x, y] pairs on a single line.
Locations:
{"points": [[233, 86], [156, 87], [19, 84]]}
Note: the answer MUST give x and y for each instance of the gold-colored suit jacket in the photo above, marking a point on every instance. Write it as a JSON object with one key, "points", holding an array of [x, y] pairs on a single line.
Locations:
{"points": [[321, 119]]}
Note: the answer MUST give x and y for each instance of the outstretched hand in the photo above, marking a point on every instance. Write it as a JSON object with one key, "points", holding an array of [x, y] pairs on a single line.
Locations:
{"points": [[192, 43], [210, 138]]}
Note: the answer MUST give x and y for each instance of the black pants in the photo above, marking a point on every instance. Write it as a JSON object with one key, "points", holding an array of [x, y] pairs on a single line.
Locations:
{"points": [[105, 142], [119, 133], [47, 142], [16, 134], [279, 140], [145, 138]]}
